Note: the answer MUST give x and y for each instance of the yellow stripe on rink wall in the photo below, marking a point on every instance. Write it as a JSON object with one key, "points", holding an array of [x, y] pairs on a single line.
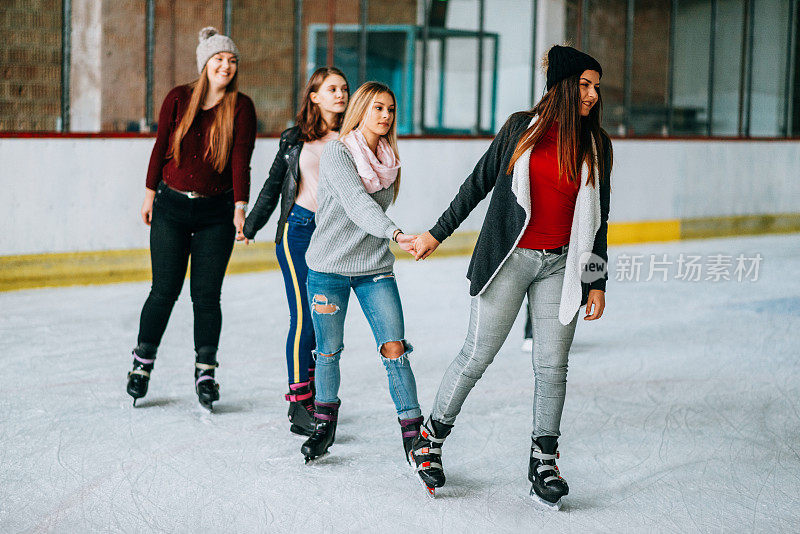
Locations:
{"points": [[110, 266], [643, 232]]}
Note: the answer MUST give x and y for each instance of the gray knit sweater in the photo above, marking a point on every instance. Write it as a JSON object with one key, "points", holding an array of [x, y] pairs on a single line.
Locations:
{"points": [[353, 231]]}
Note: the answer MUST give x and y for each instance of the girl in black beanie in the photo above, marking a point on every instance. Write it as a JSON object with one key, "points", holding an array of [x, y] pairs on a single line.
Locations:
{"points": [[549, 170]]}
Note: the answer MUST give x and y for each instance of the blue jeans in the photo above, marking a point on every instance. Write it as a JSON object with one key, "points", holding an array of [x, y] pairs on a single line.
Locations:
{"points": [[329, 294], [291, 252]]}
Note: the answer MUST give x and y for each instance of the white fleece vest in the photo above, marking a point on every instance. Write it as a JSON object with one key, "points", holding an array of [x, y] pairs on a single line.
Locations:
{"points": [[585, 223]]}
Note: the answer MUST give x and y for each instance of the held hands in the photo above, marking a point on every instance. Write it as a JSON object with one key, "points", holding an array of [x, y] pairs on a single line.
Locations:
{"points": [[424, 245], [419, 246], [406, 242]]}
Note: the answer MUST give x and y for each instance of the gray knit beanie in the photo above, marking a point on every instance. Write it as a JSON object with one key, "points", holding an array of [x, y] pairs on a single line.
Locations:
{"points": [[212, 42]]}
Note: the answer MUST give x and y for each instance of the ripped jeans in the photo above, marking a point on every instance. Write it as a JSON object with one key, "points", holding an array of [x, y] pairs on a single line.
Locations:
{"points": [[328, 295]]}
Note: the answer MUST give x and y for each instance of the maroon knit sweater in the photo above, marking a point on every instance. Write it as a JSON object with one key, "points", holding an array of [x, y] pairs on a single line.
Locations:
{"points": [[195, 173]]}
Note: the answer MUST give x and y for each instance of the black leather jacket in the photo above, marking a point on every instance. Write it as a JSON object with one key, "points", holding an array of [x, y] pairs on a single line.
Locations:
{"points": [[284, 175]]}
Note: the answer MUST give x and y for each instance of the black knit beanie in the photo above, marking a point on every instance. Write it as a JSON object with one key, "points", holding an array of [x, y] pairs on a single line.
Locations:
{"points": [[565, 61]]}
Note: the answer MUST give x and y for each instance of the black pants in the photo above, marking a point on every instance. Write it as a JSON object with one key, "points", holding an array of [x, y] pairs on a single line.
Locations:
{"points": [[181, 227]]}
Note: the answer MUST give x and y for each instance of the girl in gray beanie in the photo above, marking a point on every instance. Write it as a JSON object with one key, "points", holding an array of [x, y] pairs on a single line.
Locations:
{"points": [[197, 187]]}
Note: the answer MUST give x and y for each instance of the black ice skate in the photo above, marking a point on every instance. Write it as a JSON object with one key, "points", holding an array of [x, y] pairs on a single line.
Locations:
{"points": [[144, 358], [301, 409], [547, 485], [410, 430], [204, 385], [426, 451], [325, 415]]}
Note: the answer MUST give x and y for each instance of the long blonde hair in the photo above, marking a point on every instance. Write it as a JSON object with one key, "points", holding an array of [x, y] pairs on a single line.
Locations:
{"points": [[361, 104], [220, 137]]}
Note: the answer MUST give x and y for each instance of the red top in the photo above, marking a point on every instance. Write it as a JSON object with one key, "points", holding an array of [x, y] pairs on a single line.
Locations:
{"points": [[195, 173], [552, 197]]}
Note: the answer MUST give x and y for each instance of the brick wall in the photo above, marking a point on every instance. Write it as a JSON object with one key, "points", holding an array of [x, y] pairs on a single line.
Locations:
{"points": [[30, 64], [607, 21], [651, 51], [263, 30], [122, 62], [177, 25], [264, 33]]}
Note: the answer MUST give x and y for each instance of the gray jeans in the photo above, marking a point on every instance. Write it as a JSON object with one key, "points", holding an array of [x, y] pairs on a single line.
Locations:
{"points": [[491, 316]]}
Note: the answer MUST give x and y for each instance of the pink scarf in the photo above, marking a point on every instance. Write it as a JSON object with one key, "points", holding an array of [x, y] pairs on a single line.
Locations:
{"points": [[376, 171]]}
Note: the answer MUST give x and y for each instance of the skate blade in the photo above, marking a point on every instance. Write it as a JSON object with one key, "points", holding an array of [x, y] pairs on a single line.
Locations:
{"points": [[208, 407], [412, 463], [429, 489], [312, 459], [134, 402], [555, 506]]}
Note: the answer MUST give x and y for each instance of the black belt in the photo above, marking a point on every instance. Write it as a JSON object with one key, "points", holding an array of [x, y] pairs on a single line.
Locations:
{"points": [[560, 250], [195, 194]]}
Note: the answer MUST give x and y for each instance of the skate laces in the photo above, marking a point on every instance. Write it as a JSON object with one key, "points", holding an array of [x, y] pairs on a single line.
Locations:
{"points": [[427, 435], [206, 372], [294, 396], [425, 452], [550, 466], [410, 427], [141, 366]]}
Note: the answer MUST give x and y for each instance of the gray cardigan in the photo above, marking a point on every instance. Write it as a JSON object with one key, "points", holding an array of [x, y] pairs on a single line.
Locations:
{"points": [[353, 231]]}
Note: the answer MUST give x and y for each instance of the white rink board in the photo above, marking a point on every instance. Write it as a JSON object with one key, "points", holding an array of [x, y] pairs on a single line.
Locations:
{"points": [[80, 194], [681, 413]]}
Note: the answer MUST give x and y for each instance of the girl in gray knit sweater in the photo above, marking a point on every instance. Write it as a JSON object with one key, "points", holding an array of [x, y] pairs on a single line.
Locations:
{"points": [[359, 177]]}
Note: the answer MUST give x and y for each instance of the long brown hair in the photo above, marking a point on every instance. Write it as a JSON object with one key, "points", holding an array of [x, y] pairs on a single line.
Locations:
{"points": [[309, 118], [575, 133], [360, 105], [220, 135]]}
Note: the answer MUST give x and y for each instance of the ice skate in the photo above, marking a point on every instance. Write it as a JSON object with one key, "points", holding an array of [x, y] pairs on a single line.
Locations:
{"points": [[410, 430], [301, 409], [326, 415], [204, 384], [547, 484], [426, 451], [144, 357]]}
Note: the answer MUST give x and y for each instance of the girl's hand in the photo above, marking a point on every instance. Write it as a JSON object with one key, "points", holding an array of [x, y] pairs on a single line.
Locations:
{"points": [[238, 222], [147, 206], [424, 245], [406, 242], [598, 299]]}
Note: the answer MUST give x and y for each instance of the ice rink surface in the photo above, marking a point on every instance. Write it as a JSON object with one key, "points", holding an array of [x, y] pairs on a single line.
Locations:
{"points": [[682, 412]]}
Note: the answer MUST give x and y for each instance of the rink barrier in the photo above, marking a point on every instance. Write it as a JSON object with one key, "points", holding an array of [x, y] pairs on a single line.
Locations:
{"points": [[30, 271], [643, 232], [113, 266], [698, 228]]}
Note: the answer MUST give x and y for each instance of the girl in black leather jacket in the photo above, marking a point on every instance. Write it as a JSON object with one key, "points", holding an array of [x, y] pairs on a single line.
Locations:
{"points": [[293, 177]]}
